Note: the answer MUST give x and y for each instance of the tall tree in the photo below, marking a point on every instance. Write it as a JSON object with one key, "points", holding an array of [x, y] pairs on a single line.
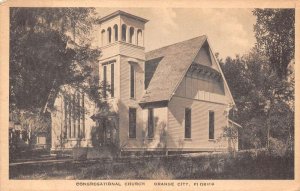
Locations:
{"points": [[275, 35], [49, 47], [262, 99]]}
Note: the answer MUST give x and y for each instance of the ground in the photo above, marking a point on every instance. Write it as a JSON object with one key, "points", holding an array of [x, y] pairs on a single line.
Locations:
{"points": [[244, 165]]}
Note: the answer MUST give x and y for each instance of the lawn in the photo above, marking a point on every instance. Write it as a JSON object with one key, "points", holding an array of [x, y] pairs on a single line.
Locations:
{"points": [[245, 165]]}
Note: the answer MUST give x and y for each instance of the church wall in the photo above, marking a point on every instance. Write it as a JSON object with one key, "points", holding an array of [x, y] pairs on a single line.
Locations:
{"points": [[58, 126], [205, 57], [199, 140], [202, 89], [125, 102], [143, 142], [123, 48], [132, 50]]}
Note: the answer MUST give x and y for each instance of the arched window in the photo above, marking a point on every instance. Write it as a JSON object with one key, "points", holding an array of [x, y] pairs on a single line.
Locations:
{"points": [[131, 35], [139, 37], [103, 37], [124, 27], [116, 32], [109, 34]]}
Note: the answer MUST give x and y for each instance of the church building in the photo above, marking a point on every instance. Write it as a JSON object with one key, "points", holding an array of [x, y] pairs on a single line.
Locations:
{"points": [[174, 98]]}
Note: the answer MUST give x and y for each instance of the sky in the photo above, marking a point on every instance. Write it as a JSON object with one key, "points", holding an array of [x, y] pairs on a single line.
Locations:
{"points": [[230, 31]]}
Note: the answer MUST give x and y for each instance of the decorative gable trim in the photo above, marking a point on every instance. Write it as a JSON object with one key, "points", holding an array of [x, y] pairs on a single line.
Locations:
{"points": [[186, 70], [220, 69], [218, 65]]}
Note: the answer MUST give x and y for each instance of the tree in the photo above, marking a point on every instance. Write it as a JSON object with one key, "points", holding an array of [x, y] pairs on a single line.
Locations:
{"points": [[259, 95], [275, 35], [48, 48]]}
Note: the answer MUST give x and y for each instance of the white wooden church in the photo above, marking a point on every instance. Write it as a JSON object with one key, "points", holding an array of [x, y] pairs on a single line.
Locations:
{"points": [[174, 98]]}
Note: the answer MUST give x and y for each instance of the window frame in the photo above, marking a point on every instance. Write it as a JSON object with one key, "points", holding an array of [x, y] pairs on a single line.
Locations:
{"points": [[104, 80], [112, 79], [123, 32], [209, 125], [132, 83], [109, 35], [152, 125], [129, 123], [116, 32], [186, 134]]}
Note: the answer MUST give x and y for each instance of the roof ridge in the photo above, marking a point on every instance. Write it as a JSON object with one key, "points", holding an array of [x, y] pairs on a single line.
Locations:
{"points": [[177, 43]]}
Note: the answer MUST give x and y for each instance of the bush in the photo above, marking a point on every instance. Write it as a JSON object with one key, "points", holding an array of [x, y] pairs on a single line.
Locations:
{"points": [[277, 147]]}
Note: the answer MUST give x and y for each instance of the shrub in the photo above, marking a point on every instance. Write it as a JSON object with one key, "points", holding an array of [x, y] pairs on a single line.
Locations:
{"points": [[277, 147]]}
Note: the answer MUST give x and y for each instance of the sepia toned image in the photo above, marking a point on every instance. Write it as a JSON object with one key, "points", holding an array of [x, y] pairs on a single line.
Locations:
{"points": [[182, 96]]}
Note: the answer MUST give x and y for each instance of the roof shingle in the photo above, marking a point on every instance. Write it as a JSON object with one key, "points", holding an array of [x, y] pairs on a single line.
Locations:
{"points": [[176, 59]]}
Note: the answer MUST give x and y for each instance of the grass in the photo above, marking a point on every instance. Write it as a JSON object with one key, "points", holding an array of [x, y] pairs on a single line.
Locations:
{"points": [[245, 165]]}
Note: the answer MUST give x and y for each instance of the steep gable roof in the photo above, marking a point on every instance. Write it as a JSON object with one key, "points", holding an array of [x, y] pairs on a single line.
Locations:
{"points": [[176, 59], [168, 66]]}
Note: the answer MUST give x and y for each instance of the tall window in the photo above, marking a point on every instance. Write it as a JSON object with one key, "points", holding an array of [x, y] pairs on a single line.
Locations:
{"points": [[108, 70], [74, 116], [211, 125], [109, 34], [78, 115], [112, 80], [187, 123], [83, 116], [103, 37], [70, 109], [132, 81], [150, 123], [132, 122], [66, 107], [139, 38], [124, 32], [131, 35], [116, 32], [104, 81]]}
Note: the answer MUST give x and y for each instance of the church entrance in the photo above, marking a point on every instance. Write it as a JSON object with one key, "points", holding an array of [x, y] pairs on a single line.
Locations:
{"points": [[105, 133]]}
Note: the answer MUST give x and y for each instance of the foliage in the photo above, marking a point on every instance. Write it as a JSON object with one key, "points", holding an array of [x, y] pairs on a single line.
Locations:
{"points": [[231, 134], [281, 123], [264, 101], [275, 35], [277, 147], [31, 121], [47, 50], [262, 82], [254, 133]]}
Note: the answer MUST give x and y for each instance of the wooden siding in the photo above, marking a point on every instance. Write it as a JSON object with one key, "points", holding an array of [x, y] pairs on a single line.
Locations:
{"points": [[205, 57], [116, 61], [202, 89], [142, 142], [200, 129], [132, 50], [123, 48], [125, 102]]}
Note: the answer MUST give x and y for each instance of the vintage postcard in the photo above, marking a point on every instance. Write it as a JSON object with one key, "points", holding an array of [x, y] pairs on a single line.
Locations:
{"points": [[151, 95]]}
